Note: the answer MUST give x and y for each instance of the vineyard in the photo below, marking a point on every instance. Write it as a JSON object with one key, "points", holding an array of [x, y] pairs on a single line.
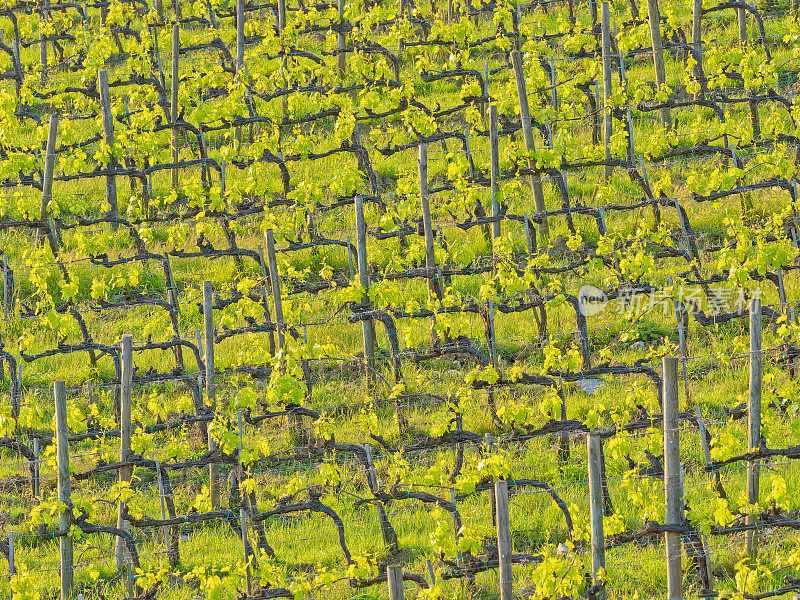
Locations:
{"points": [[463, 299]]}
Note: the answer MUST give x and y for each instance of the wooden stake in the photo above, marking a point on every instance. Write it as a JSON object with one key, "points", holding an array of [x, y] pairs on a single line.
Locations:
{"points": [[431, 573], [108, 131], [211, 387], [125, 472], [503, 539], [242, 505], [42, 42], [754, 417], [593, 443], [427, 222], [176, 46], [530, 144], [276, 285], [265, 273], [672, 476], [741, 18], [36, 468], [607, 108], [495, 171], [128, 569], [64, 490], [16, 396], [162, 500], [631, 158], [6, 285], [239, 35], [781, 291], [394, 574], [341, 58], [434, 286], [697, 35], [658, 54], [682, 343], [11, 567], [488, 441], [363, 278], [47, 182]]}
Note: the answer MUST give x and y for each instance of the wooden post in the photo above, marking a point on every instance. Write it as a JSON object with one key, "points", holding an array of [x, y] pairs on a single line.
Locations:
{"points": [[281, 15], [208, 329], [276, 285], [593, 443], [492, 341], [62, 454], [242, 504], [16, 389], [127, 573], [488, 441], [17, 66], [43, 17], [265, 273], [125, 473], [607, 108], [485, 93], [434, 285], [503, 539], [754, 417], [11, 568], [430, 255], [527, 132], [658, 54], [631, 158], [717, 486], [781, 290], [741, 18], [176, 46], [239, 35], [6, 285], [495, 171], [469, 155], [36, 468], [243, 526], [16, 395], [697, 35], [47, 182], [162, 500], [172, 288], [672, 476], [363, 278], [394, 574], [682, 342], [108, 131], [211, 388], [342, 57]]}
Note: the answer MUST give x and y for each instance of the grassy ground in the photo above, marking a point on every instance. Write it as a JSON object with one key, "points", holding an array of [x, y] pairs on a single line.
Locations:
{"points": [[306, 543]]}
